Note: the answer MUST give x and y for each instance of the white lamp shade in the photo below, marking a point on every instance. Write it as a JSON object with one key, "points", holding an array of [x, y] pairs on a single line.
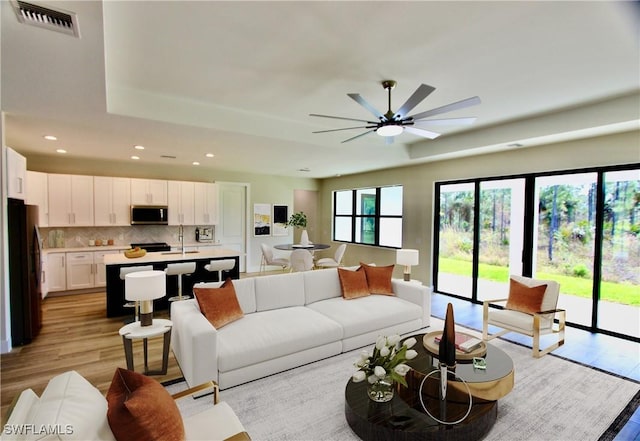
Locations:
{"points": [[407, 257], [145, 285], [390, 130]]}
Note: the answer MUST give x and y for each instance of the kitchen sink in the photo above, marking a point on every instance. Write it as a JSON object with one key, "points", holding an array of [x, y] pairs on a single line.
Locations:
{"points": [[181, 252]]}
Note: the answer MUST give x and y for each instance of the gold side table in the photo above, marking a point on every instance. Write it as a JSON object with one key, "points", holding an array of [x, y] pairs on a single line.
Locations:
{"points": [[134, 331]]}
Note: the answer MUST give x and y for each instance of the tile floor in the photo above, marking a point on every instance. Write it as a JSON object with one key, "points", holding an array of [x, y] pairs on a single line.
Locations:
{"points": [[620, 357]]}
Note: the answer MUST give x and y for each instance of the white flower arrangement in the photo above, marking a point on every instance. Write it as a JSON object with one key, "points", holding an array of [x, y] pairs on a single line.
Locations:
{"points": [[388, 358]]}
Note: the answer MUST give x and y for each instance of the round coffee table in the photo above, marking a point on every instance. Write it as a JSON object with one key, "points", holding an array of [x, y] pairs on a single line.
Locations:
{"points": [[403, 418]]}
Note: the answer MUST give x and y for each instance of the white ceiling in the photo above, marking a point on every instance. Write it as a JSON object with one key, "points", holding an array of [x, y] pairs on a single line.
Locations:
{"points": [[239, 79]]}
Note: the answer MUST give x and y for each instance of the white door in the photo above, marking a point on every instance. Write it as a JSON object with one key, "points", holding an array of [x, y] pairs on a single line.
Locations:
{"points": [[231, 229]]}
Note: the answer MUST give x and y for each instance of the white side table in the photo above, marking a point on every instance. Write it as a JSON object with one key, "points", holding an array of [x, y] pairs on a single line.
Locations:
{"points": [[135, 331]]}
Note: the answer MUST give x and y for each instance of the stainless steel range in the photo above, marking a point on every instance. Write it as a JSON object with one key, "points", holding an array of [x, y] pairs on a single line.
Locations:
{"points": [[153, 247]]}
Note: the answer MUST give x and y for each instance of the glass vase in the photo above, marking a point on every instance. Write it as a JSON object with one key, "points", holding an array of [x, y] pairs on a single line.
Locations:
{"points": [[382, 390]]}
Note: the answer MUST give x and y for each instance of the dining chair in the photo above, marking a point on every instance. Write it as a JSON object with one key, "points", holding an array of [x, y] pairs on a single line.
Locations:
{"points": [[328, 262]]}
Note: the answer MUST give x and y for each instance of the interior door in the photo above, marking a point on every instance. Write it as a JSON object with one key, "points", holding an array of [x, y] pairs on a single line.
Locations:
{"points": [[231, 230]]}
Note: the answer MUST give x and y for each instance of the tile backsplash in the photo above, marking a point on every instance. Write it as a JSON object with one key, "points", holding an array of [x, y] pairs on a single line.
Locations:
{"points": [[75, 237]]}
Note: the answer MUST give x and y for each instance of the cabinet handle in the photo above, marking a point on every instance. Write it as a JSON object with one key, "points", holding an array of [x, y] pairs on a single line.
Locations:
{"points": [[19, 185], [44, 276]]}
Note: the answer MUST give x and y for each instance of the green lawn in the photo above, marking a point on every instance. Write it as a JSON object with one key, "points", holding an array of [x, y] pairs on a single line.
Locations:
{"points": [[613, 292]]}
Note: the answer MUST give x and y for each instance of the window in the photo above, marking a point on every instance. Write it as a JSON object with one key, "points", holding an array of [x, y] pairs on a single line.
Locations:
{"points": [[370, 216]]}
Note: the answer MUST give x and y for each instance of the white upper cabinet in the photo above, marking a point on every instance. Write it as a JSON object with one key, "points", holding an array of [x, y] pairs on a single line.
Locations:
{"points": [[16, 175], [148, 192], [111, 201], [70, 200], [37, 194], [181, 203], [206, 203]]}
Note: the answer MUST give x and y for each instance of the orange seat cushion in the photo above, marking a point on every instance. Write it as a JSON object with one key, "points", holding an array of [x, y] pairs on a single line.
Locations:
{"points": [[353, 283], [379, 278], [219, 305], [140, 409], [524, 298]]}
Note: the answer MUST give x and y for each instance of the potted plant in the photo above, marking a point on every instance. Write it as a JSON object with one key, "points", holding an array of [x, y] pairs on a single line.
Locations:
{"points": [[299, 220]]}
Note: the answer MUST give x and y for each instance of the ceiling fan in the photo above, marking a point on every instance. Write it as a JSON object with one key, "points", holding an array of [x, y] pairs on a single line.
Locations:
{"points": [[393, 123]]}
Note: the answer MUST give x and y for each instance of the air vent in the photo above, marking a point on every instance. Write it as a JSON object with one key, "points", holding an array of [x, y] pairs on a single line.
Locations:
{"points": [[55, 20], [168, 157]]}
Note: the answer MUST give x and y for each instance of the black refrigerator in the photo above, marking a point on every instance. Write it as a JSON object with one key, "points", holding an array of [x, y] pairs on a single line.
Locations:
{"points": [[25, 293]]}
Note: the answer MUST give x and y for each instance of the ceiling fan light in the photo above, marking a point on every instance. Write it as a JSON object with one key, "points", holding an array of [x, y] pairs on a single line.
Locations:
{"points": [[390, 130]]}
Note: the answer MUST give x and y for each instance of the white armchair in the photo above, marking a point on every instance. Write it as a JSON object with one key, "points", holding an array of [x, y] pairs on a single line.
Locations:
{"points": [[514, 317]]}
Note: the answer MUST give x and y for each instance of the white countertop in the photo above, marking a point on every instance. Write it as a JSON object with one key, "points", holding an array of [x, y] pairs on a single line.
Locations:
{"points": [[171, 256], [122, 247]]}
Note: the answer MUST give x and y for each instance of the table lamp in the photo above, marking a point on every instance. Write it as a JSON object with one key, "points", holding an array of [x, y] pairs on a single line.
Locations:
{"points": [[144, 287], [407, 258]]}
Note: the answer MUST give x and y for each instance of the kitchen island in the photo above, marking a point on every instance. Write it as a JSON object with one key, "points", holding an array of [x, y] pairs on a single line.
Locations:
{"points": [[159, 261]]}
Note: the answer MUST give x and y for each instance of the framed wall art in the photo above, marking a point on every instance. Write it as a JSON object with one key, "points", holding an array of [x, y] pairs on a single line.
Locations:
{"points": [[262, 219]]}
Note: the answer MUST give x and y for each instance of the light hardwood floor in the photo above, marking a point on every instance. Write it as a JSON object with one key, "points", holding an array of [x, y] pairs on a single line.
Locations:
{"points": [[76, 335]]}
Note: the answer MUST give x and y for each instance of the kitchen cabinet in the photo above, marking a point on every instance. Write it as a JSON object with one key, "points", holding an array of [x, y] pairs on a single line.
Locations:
{"points": [[80, 270], [148, 192], [206, 203], [37, 194], [100, 268], [181, 196], [70, 200], [111, 201], [16, 174], [55, 275]]}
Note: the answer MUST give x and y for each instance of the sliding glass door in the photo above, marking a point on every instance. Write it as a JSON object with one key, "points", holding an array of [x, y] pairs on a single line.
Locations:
{"points": [[580, 228]]}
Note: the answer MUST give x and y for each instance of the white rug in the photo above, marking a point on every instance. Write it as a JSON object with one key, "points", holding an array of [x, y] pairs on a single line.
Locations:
{"points": [[553, 399]]}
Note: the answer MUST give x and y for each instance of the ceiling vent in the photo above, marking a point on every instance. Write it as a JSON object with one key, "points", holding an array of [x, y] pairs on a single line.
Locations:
{"points": [[44, 17]]}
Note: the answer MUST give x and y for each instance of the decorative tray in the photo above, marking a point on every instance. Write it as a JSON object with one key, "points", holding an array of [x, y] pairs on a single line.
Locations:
{"points": [[429, 343]]}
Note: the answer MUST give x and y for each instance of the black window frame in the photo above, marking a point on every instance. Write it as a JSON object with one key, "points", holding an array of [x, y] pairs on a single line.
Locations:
{"points": [[377, 216]]}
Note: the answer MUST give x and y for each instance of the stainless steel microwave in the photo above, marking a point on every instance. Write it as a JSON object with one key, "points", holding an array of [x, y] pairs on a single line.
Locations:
{"points": [[149, 215]]}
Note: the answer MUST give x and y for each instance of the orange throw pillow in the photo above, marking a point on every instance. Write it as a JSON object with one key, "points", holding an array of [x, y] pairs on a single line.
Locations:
{"points": [[219, 305], [353, 283], [140, 409], [379, 278], [524, 298]]}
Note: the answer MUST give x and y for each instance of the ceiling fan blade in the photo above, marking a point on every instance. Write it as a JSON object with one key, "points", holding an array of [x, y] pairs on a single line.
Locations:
{"points": [[346, 119], [358, 136], [421, 132], [358, 99], [421, 93], [448, 121], [346, 128], [448, 108]]}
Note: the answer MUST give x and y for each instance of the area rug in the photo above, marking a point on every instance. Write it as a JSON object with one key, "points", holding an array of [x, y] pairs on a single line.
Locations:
{"points": [[553, 399]]}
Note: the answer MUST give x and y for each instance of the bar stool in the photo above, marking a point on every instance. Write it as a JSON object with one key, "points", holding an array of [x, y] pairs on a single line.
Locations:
{"points": [[219, 266], [180, 269], [132, 269]]}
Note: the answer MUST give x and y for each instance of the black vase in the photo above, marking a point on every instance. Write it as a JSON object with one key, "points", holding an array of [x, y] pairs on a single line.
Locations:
{"points": [[447, 347]]}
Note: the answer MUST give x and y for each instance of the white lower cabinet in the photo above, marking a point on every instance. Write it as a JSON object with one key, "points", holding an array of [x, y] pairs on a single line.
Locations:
{"points": [[75, 270], [55, 275]]}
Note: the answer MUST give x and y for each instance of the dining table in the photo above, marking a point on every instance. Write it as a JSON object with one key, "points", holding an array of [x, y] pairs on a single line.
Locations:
{"points": [[298, 246]]}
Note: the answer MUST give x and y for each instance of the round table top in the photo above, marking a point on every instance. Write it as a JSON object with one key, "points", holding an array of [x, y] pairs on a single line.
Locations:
{"points": [[134, 330], [297, 246]]}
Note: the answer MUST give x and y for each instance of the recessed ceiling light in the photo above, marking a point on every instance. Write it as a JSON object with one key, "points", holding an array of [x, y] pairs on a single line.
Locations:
{"points": [[50, 138], [135, 157], [195, 163], [138, 147], [61, 151], [209, 155]]}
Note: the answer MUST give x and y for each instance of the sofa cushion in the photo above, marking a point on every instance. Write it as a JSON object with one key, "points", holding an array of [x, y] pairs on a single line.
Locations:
{"points": [[70, 404], [367, 314], [353, 283], [279, 291], [379, 278], [321, 284], [271, 334], [141, 409], [219, 305], [524, 298]]}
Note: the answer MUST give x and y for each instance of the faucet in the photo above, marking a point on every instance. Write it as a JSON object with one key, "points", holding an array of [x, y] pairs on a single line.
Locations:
{"points": [[181, 237]]}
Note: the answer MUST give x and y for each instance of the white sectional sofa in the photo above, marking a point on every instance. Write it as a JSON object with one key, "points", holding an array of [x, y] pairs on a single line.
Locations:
{"points": [[289, 320]]}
